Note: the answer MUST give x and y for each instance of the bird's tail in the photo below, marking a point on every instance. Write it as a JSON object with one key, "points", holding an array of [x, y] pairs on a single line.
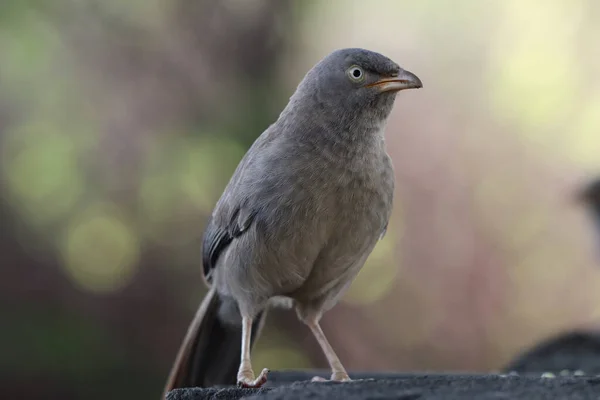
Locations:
{"points": [[211, 350]]}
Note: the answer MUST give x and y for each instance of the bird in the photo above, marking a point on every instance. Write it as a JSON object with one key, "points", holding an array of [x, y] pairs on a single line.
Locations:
{"points": [[303, 210]]}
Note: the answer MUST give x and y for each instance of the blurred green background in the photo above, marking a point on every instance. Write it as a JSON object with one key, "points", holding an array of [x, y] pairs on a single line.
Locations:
{"points": [[122, 121]]}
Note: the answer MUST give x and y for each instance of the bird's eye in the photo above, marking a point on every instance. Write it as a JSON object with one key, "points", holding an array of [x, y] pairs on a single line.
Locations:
{"points": [[356, 73]]}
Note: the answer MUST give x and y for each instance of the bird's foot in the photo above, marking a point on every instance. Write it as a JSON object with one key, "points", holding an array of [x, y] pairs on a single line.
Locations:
{"points": [[246, 379], [335, 377]]}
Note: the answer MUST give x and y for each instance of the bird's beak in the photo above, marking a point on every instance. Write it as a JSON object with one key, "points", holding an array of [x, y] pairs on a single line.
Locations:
{"points": [[404, 80]]}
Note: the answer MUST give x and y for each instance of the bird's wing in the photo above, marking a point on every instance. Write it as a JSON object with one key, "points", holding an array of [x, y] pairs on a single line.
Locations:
{"points": [[233, 214], [384, 231], [218, 236]]}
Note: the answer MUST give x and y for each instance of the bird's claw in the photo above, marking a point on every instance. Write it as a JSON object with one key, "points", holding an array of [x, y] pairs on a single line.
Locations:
{"points": [[247, 380], [335, 377]]}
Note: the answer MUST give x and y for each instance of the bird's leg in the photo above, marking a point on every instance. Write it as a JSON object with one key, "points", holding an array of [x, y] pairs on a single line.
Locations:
{"points": [[338, 372], [245, 377]]}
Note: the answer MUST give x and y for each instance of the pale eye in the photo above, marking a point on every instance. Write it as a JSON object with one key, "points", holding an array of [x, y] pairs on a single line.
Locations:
{"points": [[356, 73]]}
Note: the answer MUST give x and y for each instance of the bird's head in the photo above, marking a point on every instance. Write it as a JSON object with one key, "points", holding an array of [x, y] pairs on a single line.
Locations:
{"points": [[354, 86]]}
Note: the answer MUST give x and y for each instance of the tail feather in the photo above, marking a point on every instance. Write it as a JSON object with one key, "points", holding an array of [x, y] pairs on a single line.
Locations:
{"points": [[211, 350]]}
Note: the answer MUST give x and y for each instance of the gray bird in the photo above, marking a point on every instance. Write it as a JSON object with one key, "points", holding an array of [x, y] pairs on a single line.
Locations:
{"points": [[299, 217]]}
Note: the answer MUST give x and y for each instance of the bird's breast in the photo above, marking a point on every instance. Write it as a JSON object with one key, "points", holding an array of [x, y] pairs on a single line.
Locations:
{"points": [[324, 184], [363, 194]]}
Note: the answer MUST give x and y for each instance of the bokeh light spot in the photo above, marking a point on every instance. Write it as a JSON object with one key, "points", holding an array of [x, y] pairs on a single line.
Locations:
{"points": [[378, 274], [275, 350], [533, 79], [583, 142], [181, 180], [100, 250], [40, 167], [27, 52], [279, 357]]}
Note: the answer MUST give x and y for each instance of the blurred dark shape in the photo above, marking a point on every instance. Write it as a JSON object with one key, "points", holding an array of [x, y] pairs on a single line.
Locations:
{"points": [[574, 351], [590, 196]]}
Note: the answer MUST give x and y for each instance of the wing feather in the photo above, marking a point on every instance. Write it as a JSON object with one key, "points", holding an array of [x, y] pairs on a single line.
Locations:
{"points": [[218, 238]]}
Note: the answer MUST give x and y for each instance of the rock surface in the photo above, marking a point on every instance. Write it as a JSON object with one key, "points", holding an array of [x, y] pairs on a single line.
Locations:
{"points": [[563, 367]]}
